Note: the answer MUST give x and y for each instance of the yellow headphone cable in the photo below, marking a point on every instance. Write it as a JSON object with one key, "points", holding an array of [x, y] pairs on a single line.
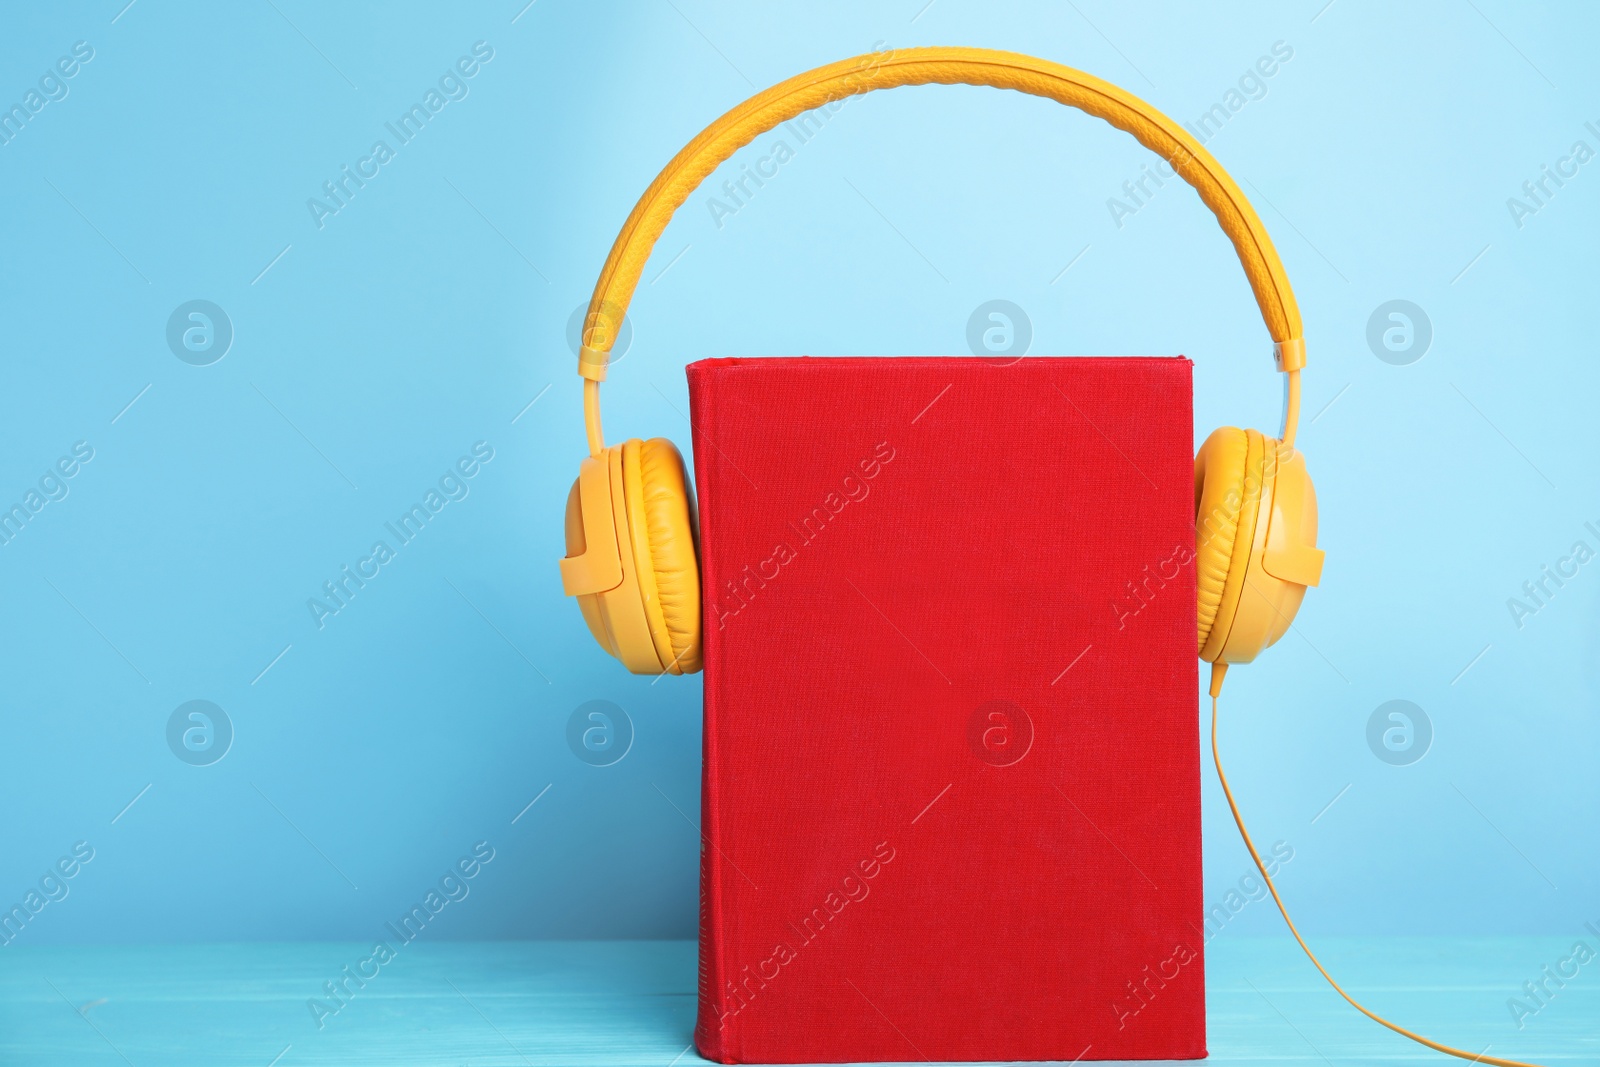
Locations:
{"points": [[1227, 791]]}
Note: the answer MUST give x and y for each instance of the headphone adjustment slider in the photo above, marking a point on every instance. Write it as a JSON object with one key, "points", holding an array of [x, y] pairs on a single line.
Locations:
{"points": [[592, 363], [1289, 355]]}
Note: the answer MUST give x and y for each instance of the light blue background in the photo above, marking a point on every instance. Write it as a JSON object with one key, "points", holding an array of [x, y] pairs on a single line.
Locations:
{"points": [[428, 313]]}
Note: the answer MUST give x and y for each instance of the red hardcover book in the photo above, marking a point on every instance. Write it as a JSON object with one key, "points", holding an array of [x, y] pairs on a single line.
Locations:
{"points": [[951, 803]]}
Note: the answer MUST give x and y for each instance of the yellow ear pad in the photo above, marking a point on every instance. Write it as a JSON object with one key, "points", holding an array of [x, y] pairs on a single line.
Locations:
{"points": [[1227, 500], [662, 532], [1255, 540]]}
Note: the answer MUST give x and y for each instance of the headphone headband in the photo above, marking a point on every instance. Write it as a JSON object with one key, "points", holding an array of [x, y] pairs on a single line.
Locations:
{"points": [[920, 66]]}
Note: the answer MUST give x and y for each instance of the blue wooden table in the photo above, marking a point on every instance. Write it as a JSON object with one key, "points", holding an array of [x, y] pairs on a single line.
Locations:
{"points": [[561, 1003]]}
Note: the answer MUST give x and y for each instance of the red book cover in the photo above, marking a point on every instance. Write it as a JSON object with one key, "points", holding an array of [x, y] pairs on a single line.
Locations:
{"points": [[951, 804]]}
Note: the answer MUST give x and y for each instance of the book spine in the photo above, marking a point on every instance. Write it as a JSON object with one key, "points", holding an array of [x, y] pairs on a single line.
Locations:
{"points": [[708, 1034], [709, 1037]]}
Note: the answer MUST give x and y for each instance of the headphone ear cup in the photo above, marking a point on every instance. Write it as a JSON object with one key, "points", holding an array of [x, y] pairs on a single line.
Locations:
{"points": [[611, 565], [1255, 542], [661, 512], [1227, 503]]}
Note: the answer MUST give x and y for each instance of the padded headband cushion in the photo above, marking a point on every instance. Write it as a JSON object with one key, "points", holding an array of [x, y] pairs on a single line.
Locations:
{"points": [[921, 66], [943, 66], [665, 497]]}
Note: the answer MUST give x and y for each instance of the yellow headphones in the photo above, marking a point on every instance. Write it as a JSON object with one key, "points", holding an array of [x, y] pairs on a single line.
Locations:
{"points": [[629, 525], [631, 552]]}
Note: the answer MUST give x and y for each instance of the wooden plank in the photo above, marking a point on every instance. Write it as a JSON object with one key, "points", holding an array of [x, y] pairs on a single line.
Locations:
{"points": [[613, 1003]]}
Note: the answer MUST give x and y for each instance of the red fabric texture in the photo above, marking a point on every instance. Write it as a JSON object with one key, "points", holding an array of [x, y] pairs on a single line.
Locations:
{"points": [[951, 803]]}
